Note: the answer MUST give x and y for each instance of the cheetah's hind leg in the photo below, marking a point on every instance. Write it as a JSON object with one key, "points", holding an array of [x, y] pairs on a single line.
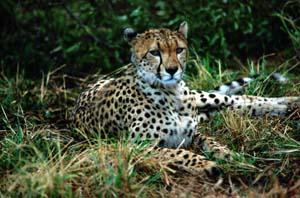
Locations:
{"points": [[188, 161], [209, 146]]}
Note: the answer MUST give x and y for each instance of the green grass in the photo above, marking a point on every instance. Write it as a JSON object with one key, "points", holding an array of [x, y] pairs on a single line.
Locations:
{"points": [[41, 157]]}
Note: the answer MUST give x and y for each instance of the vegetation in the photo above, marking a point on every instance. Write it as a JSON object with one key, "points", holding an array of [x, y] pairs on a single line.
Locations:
{"points": [[50, 51]]}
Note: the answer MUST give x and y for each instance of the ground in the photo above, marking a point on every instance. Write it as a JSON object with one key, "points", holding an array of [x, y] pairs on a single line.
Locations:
{"points": [[41, 156]]}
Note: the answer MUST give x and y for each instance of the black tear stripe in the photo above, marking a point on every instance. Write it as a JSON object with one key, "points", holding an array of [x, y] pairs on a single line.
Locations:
{"points": [[144, 57], [158, 70], [160, 59]]}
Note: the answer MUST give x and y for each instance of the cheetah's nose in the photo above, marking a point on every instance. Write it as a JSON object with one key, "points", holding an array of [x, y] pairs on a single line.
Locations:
{"points": [[172, 70]]}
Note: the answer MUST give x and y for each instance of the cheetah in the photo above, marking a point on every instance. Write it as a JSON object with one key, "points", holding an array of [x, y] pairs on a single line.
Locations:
{"points": [[150, 101]]}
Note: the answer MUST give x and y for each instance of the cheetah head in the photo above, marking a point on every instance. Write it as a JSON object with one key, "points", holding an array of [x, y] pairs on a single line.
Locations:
{"points": [[159, 55]]}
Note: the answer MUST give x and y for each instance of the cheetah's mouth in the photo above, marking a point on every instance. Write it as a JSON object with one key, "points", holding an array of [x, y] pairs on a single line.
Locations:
{"points": [[168, 79]]}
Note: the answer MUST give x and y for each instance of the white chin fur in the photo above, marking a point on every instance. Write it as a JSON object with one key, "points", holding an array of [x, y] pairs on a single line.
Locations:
{"points": [[167, 79], [170, 82]]}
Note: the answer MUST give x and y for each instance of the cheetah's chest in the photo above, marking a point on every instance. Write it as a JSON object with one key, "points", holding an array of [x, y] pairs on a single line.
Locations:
{"points": [[174, 125], [186, 127]]}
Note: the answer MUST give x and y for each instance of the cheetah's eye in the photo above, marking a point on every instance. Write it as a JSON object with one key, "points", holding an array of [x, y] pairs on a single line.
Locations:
{"points": [[179, 50], [155, 52]]}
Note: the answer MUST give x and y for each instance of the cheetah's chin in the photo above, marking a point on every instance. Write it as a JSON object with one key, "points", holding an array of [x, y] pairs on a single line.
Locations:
{"points": [[170, 82]]}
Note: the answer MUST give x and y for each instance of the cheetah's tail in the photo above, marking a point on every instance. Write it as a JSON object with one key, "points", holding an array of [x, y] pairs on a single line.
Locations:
{"points": [[238, 85]]}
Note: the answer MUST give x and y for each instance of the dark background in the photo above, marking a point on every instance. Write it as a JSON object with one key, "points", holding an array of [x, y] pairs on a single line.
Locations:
{"points": [[38, 36]]}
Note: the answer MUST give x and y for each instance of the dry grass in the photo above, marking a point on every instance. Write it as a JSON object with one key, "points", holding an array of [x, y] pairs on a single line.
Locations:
{"points": [[41, 157]]}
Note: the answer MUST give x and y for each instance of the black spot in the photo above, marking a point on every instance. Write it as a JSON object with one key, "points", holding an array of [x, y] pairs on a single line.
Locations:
{"points": [[241, 81], [187, 162], [186, 156], [132, 135], [203, 100], [217, 101], [161, 143], [133, 125], [194, 162], [147, 115], [161, 102], [120, 99], [253, 112], [185, 131], [138, 111], [165, 131], [148, 135], [190, 132], [212, 95], [106, 115], [120, 111], [226, 98]]}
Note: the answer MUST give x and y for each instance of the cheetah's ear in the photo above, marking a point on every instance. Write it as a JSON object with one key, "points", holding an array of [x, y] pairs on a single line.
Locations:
{"points": [[183, 29], [129, 34]]}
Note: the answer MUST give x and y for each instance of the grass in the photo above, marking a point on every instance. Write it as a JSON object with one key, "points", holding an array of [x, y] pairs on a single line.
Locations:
{"points": [[41, 157]]}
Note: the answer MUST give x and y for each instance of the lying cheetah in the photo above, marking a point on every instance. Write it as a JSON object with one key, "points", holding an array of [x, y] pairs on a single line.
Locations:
{"points": [[151, 101]]}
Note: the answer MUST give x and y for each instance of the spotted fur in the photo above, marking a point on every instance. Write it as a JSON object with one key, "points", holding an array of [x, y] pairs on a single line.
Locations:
{"points": [[151, 101]]}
